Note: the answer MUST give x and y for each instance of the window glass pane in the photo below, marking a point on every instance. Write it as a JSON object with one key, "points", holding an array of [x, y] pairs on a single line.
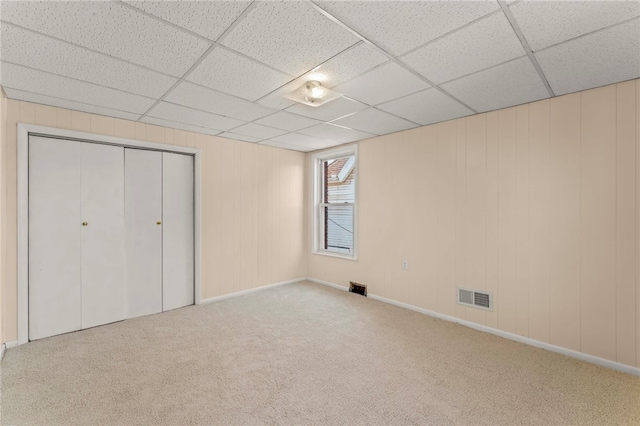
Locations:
{"points": [[339, 180], [338, 228]]}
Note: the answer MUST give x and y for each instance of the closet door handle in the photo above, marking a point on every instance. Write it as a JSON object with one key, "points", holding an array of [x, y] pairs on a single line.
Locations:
{"points": [[85, 223], [158, 223]]}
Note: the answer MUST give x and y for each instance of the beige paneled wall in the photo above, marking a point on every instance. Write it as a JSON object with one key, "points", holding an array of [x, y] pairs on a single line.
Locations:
{"points": [[3, 266], [252, 199], [538, 204]]}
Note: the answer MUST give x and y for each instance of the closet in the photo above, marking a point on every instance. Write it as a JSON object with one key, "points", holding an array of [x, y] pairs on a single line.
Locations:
{"points": [[111, 234]]}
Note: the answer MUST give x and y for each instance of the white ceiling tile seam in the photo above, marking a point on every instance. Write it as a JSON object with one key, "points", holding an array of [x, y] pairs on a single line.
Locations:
{"points": [[88, 49], [75, 79], [468, 24], [189, 71], [589, 33], [164, 21], [481, 70], [525, 45], [72, 100], [310, 70], [389, 55]]}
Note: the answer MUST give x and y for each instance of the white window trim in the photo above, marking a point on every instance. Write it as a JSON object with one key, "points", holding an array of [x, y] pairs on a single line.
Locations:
{"points": [[316, 159]]}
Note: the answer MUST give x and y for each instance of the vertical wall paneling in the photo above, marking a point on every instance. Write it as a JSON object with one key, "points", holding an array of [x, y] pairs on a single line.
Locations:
{"points": [[638, 223], [492, 216], [626, 217], [522, 215], [227, 207], [539, 185], [476, 212], [598, 222], [80, 121], [46, 115], [246, 213], [64, 119], [10, 295], [507, 210], [447, 218], [102, 125], [3, 201], [122, 128], [564, 221], [461, 214], [261, 196]]}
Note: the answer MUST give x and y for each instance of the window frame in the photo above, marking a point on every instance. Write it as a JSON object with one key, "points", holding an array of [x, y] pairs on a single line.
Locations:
{"points": [[317, 187]]}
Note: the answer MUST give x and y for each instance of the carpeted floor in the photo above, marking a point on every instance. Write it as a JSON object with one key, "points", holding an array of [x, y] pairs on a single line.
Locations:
{"points": [[303, 354]]}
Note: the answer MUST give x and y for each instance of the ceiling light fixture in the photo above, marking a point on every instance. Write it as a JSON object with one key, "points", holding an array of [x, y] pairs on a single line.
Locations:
{"points": [[312, 93]]}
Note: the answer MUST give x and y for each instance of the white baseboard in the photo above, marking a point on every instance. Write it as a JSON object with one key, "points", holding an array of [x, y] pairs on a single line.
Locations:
{"points": [[251, 290], [527, 341], [5, 346]]}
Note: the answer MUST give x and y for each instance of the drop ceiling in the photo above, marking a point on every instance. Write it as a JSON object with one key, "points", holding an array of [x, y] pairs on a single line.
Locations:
{"points": [[223, 67]]}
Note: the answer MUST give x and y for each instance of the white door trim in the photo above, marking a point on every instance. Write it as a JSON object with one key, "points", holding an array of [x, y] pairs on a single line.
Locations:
{"points": [[24, 130]]}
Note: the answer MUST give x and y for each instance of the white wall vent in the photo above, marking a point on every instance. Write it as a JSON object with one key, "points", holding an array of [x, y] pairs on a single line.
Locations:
{"points": [[475, 298]]}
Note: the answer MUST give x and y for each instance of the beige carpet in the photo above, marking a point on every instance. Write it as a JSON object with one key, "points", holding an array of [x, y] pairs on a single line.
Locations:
{"points": [[303, 354]]}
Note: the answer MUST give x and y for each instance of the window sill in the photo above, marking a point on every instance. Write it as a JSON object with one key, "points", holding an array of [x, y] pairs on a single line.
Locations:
{"points": [[336, 255]]}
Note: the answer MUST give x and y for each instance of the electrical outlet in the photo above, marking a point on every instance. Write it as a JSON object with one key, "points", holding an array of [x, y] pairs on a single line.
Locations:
{"points": [[405, 264]]}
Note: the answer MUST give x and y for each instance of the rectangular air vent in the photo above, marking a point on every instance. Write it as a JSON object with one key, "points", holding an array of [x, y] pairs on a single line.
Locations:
{"points": [[357, 288], [475, 298]]}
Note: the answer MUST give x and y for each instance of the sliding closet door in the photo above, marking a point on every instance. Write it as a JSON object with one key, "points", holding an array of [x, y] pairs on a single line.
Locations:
{"points": [[143, 230], [54, 237], [102, 234], [178, 272]]}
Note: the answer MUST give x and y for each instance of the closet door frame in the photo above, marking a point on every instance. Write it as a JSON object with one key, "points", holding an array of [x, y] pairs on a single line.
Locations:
{"points": [[26, 130]]}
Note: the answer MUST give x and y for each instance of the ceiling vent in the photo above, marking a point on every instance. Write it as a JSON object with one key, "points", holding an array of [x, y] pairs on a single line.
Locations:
{"points": [[475, 298]]}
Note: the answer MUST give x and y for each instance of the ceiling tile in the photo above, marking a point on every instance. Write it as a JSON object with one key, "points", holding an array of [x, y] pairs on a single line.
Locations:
{"points": [[27, 48], [401, 26], [485, 43], [386, 82], [198, 97], [509, 84], [194, 117], [111, 28], [282, 145], [63, 103], [258, 131], [426, 107], [598, 59], [206, 18], [287, 121], [231, 135], [34, 81], [545, 23], [182, 126], [290, 36], [329, 111], [232, 73], [374, 121], [336, 133], [309, 143], [347, 65]]}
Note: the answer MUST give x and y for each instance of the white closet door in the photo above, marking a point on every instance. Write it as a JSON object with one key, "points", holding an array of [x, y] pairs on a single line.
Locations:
{"points": [[54, 237], [103, 236], [177, 239], [143, 230]]}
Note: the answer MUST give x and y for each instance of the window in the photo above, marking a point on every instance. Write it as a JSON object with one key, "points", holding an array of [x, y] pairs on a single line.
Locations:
{"points": [[335, 202]]}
